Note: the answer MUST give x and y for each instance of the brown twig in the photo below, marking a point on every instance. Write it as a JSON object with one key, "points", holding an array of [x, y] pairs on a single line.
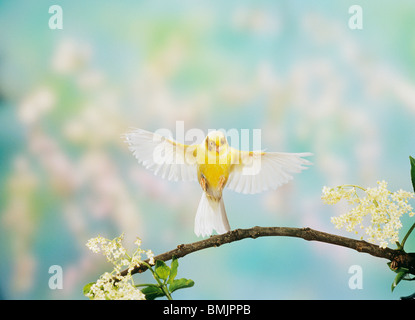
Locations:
{"points": [[397, 257]]}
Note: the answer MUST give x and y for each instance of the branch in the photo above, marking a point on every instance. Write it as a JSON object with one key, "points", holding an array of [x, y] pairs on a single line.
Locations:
{"points": [[397, 257]]}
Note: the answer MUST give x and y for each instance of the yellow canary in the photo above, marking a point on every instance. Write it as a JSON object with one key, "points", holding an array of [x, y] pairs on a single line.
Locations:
{"points": [[215, 165]]}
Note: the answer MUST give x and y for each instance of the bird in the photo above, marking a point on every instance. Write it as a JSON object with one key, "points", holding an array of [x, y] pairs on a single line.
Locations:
{"points": [[215, 165]]}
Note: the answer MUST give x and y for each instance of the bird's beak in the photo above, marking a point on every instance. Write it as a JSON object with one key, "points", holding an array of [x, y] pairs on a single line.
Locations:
{"points": [[217, 149]]}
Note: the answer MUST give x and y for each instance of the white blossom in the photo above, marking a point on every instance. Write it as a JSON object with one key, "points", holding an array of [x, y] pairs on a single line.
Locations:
{"points": [[112, 285], [380, 207]]}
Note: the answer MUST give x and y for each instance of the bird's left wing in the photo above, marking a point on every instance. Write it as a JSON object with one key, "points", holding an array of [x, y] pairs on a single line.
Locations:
{"points": [[254, 172], [165, 157]]}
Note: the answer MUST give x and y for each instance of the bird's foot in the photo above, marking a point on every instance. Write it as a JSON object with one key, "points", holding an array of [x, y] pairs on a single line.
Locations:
{"points": [[222, 180], [203, 183]]}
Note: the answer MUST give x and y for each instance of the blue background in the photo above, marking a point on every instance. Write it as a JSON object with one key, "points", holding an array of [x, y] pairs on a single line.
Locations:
{"points": [[293, 69]]}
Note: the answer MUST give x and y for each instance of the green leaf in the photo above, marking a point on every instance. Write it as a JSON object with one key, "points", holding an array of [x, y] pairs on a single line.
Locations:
{"points": [[162, 270], [389, 265], [180, 284], [152, 292], [398, 270], [87, 288], [412, 160], [173, 269], [398, 278]]}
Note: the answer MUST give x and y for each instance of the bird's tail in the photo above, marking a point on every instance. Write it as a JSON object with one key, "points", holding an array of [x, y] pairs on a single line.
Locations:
{"points": [[211, 215]]}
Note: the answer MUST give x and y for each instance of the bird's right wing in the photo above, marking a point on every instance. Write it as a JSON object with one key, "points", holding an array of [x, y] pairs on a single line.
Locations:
{"points": [[165, 157], [254, 172]]}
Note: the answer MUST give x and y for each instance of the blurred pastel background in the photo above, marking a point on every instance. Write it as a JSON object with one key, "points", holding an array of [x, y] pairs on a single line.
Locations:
{"points": [[293, 69]]}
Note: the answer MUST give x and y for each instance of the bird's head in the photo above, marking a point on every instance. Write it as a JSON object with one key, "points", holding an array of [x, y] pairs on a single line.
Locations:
{"points": [[216, 142]]}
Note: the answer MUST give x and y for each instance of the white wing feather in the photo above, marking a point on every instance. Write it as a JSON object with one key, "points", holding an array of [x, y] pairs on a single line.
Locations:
{"points": [[255, 172], [165, 157]]}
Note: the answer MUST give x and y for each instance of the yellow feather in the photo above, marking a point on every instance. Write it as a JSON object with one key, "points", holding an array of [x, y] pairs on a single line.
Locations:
{"points": [[214, 167]]}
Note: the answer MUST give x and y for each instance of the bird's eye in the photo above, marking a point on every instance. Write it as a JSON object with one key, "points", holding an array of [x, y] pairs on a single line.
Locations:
{"points": [[222, 141]]}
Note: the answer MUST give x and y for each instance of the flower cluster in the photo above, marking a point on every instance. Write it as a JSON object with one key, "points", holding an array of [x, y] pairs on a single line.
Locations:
{"points": [[112, 285], [382, 208]]}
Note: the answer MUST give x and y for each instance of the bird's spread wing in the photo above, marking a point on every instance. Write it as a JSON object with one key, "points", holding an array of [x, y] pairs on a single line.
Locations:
{"points": [[165, 157], [254, 172]]}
